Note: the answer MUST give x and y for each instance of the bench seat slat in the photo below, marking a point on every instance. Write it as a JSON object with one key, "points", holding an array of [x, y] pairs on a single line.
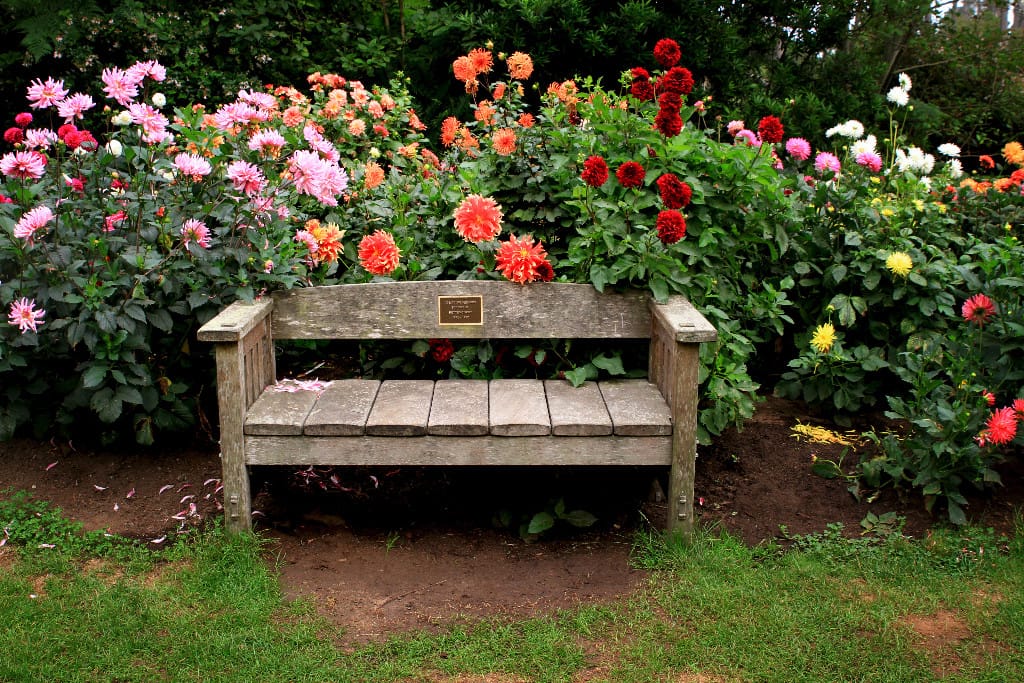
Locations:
{"points": [[459, 408], [343, 408], [518, 408], [455, 451], [637, 408], [577, 411], [279, 412], [401, 409]]}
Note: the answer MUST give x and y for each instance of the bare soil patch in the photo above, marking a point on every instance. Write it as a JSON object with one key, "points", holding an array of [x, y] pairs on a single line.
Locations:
{"points": [[387, 551]]}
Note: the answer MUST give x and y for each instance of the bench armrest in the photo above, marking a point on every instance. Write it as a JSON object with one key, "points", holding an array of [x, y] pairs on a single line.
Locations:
{"points": [[236, 321], [679, 318]]}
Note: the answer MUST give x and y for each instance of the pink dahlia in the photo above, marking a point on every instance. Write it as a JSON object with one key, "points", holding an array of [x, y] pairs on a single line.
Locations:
{"points": [[119, 86], [32, 222], [25, 315], [798, 148], [195, 231], [42, 95], [870, 160], [826, 161], [246, 177], [27, 165], [192, 165], [75, 106]]}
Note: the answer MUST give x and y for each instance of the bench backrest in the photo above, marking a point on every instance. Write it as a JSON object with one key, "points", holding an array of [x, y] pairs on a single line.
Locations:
{"points": [[460, 309]]}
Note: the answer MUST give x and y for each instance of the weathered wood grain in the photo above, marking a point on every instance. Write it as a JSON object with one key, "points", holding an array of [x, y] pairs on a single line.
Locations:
{"points": [[279, 412], [408, 310], [636, 407], [519, 408], [235, 321], [401, 408], [459, 408], [577, 411], [231, 405], [459, 451], [342, 409], [684, 321]]}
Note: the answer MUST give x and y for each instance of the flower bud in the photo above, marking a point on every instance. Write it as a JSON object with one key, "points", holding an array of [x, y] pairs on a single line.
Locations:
{"points": [[115, 148], [159, 100]]}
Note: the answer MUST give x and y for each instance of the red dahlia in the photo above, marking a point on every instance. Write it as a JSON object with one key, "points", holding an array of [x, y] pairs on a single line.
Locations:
{"points": [[668, 122], [595, 171], [642, 90], [630, 174], [770, 130], [678, 79], [671, 226], [978, 309], [666, 51], [675, 194]]}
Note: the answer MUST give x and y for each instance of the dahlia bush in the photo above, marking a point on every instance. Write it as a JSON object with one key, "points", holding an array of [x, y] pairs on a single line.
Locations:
{"points": [[123, 227], [899, 246]]}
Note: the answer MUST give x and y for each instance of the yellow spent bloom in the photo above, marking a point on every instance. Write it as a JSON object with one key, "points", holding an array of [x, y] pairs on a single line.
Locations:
{"points": [[817, 434], [888, 213], [899, 263], [824, 337]]}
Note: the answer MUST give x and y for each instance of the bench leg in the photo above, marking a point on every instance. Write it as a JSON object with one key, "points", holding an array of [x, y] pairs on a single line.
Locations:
{"points": [[237, 496], [684, 441]]}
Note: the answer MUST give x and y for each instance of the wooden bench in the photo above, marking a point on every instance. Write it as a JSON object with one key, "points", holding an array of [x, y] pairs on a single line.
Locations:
{"points": [[457, 422]]}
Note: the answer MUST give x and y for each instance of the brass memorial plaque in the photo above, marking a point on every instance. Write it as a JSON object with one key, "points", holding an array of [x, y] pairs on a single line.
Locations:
{"points": [[460, 310]]}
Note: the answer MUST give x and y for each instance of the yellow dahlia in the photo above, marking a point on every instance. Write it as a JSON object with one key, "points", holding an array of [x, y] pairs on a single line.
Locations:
{"points": [[824, 337], [899, 263]]}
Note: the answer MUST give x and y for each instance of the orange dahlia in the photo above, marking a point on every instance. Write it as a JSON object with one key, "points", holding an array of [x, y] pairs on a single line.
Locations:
{"points": [[449, 129], [478, 219], [504, 141], [481, 60], [464, 69], [328, 240], [522, 261], [373, 175], [1013, 152], [378, 253], [520, 66]]}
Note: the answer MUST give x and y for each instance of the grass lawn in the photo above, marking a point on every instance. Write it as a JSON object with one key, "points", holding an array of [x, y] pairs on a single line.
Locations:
{"points": [[950, 607]]}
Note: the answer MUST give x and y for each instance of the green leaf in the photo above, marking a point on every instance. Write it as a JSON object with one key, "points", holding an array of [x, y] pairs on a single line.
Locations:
{"points": [[610, 364], [541, 522], [580, 518], [576, 376], [94, 376]]}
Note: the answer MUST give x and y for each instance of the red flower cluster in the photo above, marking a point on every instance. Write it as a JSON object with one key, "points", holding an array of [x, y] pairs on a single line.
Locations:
{"points": [[641, 88], [595, 171], [978, 309], [667, 121], [75, 138], [441, 350], [675, 194], [630, 174], [671, 226], [770, 130], [667, 52]]}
